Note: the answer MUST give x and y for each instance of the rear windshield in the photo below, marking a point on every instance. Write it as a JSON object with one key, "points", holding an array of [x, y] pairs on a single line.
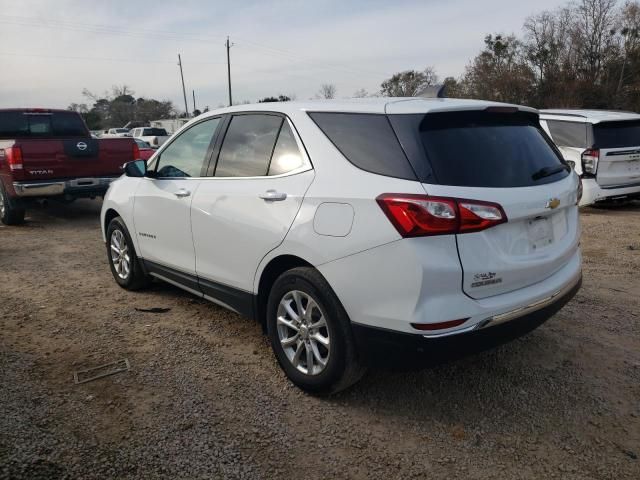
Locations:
{"points": [[16, 124], [616, 134], [154, 132], [480, 149]]}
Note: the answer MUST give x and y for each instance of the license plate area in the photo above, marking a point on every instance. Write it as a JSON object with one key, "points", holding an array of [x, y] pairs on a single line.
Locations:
{"points": [[540, 232]]}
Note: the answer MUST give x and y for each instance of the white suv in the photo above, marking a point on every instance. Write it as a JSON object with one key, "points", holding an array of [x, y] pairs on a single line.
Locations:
{"points": [[604, 148], [354, 229]]}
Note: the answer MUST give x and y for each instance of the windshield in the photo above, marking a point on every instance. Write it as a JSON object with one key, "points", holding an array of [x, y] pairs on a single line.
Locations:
{"points": [[154, 132], [617, 134], [17, 124], [482, 149]]}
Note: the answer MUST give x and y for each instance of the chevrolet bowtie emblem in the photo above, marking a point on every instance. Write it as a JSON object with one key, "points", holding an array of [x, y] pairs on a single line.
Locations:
{"points": [[552, 203]]}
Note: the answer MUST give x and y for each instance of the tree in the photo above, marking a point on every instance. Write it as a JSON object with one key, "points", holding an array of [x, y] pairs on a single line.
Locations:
{"points": [[327, 90], [279, 98], [409, 83], [119, 107], [362, 93], [500, 72]]}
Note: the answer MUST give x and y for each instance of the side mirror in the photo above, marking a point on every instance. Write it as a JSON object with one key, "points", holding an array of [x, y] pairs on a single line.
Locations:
{"points": [[137, 168]]}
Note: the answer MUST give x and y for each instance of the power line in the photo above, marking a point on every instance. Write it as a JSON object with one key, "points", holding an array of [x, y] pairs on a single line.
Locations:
{"points": [[101, 59], [144, 33]]}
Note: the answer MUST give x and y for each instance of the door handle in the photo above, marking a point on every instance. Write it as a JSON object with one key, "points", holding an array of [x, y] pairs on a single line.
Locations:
{"points": [[273, 196], [182, 193]]}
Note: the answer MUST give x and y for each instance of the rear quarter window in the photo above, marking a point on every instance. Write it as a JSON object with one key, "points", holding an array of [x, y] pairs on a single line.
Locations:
{"points": [[367, 141], [568, 134]]}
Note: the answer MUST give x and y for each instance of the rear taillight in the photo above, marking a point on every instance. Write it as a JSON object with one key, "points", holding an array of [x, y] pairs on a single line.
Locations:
{"points": [[422, 215], [590, 162], [14, 158], [136, 151]]}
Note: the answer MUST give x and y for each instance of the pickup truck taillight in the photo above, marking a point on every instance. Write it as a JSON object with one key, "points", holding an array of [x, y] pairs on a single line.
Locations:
{"points": [[14, 158]]}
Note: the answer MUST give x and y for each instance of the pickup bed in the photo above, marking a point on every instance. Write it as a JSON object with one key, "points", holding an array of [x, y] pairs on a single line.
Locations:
{"points": [[50, 153]]}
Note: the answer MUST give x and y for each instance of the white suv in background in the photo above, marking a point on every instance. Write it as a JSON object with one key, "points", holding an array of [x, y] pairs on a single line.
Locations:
{"points": [[154, 136], [604, 148], [356, 229]]}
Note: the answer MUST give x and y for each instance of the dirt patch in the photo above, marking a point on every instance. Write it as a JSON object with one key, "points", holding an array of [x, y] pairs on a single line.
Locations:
{"points": [[205, 399]]}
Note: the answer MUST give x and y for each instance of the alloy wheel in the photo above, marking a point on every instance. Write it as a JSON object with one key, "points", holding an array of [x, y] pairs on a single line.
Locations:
{"points": [[120, 254], [303, 332]]}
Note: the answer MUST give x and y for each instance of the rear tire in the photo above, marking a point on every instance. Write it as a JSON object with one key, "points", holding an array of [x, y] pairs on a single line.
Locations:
{"points": [[310, 333], [11, 212], [124, 262]]}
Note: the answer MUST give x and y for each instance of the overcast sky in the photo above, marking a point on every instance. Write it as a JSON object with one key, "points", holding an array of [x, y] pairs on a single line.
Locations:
{"points": [[50, 50]]}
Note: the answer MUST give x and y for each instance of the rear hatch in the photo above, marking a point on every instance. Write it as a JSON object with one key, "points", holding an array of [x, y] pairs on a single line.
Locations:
{"points": [[501, 156], [618, 144], [54, 144]]}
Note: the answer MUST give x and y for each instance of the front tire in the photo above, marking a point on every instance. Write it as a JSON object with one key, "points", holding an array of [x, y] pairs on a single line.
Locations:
{"points": [[11, 213], [310, 333], [123, 260]]}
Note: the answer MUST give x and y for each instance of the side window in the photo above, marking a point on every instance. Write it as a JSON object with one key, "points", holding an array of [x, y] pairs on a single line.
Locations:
{"points": [[248, 145], [367, 141], [286, 154], [568, 134], [186, 154]]}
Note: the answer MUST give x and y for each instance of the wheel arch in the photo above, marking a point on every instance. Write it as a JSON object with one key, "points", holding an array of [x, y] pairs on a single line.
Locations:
{"points": [[109, 215], [276, 267]]}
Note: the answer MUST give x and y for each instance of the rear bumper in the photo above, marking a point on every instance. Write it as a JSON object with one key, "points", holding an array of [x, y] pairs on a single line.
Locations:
{"points": [[592, 192], [76, 187], [380, 347]]}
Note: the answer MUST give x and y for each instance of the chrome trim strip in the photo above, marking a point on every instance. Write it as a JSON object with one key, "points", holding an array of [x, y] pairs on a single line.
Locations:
{"points": [[448, 334], [525, 310], [511, 314], [36, 189]]}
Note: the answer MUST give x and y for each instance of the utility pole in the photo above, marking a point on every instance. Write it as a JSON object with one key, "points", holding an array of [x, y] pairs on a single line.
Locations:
{"points": [[194, 100], [184, 92], [229, 69]]}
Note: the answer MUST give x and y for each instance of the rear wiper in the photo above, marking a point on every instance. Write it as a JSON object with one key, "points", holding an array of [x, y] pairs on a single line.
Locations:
{"points": [[548, 171]]}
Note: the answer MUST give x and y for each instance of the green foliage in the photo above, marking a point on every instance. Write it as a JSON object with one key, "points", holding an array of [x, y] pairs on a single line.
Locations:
{"points": [[119, 108], [408, 83]]}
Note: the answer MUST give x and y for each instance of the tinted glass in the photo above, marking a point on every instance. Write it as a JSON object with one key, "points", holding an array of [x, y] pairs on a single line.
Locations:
{"points": [[154, 132], [485, 149], [367, 141], [286, 155], [57, 124], [186, 154], [568, 134], [248, 145], [617, 134]]}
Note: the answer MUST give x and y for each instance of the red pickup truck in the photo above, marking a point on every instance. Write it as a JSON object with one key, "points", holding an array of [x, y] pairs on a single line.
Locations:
{"points": [[50, 153]]}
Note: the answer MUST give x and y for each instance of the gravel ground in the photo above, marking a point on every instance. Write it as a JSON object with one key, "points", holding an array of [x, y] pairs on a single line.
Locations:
{"points": [[205, 399]]}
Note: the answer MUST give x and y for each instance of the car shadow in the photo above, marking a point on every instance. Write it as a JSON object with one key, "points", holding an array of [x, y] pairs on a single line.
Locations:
{"points": [[528, 381], [611, 208]]}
